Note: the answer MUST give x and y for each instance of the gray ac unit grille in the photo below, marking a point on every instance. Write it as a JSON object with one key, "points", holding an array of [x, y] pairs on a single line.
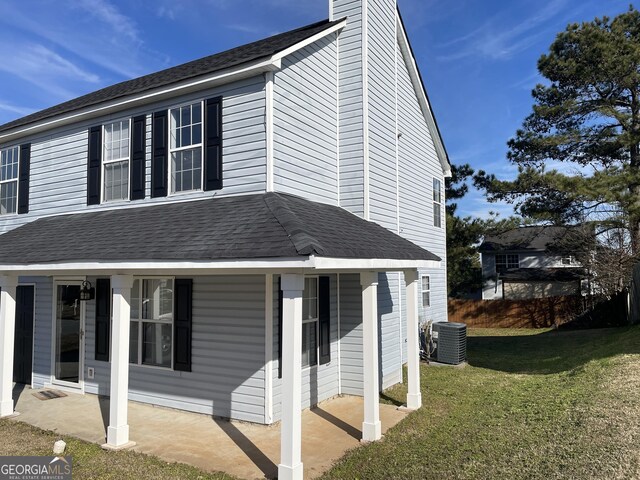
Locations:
{"points": [[451, 346]]}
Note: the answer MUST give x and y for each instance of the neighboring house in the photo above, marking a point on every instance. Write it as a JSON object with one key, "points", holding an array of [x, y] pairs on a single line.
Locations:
{"points": [[531, 262], [262, 227]]}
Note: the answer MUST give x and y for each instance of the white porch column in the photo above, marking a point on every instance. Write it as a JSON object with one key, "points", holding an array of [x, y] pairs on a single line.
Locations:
{"points": [[371, 427], [7, 341], [290, 467], [414, 397], [118, 430]]}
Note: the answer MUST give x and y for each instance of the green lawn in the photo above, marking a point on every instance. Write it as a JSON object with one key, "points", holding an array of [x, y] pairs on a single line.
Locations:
{"points": [[531, 404]]}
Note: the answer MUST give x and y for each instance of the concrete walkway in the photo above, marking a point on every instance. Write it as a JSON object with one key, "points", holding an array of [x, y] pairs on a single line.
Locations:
{"points": [[242, 449]]}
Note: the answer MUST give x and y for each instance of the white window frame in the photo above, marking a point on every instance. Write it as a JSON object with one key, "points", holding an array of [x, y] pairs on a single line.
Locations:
{"points": [[567, 260], [140, 321], [16, 180], [423, 290], [118, 160], [437, 200], [190, 147], [507, 261], [312, 320]]}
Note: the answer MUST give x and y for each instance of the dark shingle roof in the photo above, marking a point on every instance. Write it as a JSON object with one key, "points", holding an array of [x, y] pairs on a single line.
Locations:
{"points": [[251, 226], [204, 66], [537, 239], [566, 274]]}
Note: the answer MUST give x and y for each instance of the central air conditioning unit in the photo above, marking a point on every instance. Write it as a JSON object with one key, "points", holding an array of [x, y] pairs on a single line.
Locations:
{"points": [[450, 340]]}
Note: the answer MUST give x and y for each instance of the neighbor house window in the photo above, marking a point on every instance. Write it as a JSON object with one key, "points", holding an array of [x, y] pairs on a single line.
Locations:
{"points": [[425, 286], [8, 180], [115, 161], [437, 203], [567, 260], [185, 147], [310, 322], [506, 262], [152, 322]]}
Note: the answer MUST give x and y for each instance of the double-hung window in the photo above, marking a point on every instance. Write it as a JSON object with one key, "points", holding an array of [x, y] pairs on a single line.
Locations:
{"points": [[9, 180], [185, 147], [152, 322], [437, 203], [115, 161], [507, 262], [425, 288], [310, 322]]}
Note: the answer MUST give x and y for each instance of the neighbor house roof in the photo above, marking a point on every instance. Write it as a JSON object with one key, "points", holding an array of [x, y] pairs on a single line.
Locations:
{"points": [[544, 274], [537, 239], [242, 227], [204, 66]]}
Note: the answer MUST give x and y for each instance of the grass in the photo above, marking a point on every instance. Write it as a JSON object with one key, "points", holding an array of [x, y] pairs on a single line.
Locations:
{"points": [[92, 462], [533, 404]]}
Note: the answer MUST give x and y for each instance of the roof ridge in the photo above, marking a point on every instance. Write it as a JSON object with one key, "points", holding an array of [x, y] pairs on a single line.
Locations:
{"points": [[302, 240]]}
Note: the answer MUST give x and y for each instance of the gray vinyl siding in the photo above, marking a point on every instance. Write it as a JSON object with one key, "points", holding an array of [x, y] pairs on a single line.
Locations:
{"points": [[305, 122], [418, 165], [350, 94], [319, 382], [58, 182], [227, 377], [42, 330], [389, 330], [351, 334]]}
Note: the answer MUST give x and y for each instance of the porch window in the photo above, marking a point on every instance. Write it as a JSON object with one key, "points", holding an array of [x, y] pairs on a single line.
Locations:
{"points": [[152, 322], [185, 146], [115, 161], [506, 262], [310, 322], [8, 180], [437, 203], [425, 287]]}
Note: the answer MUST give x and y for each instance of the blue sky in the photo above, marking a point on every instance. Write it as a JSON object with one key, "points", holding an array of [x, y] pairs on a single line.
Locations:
{"points": [[477, 57]]}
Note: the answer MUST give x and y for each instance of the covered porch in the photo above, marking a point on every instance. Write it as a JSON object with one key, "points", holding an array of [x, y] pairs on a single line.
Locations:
{"points": [[264, 235], [241, 449]]}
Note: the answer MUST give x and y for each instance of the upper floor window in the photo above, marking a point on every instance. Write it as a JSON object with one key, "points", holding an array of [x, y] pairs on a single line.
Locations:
{"points": [[437, 203], [507, 262], [185, 147], [9, 180], [115, 161], [425, 287]]}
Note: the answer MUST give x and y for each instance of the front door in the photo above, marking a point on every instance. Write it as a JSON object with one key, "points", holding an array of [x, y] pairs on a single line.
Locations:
{"points": [[23, 351], [69, 333]]}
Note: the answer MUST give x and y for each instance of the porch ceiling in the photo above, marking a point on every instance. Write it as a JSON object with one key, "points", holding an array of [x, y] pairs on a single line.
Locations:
{"points": [[264, 231]]}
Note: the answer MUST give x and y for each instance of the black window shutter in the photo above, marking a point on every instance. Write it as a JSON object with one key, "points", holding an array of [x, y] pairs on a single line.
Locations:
{"points": [[138, 157], [213, 144], [280, 327], [182, 325], [159, 162], [94, 165], [103, 318], [324, 319], [23, 181]]}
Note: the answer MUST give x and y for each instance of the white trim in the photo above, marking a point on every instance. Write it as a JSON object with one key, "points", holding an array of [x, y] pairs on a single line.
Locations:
{"points": [[365, 108], [218, 78], [18, 148], [104, 163], [33, 333], [397, 138], [221, 267], [71, 386], [337, 113], [423, 100], [171, 151], [331, 11], [401, 338], [268, 120], [339, 335], [268, 348]]}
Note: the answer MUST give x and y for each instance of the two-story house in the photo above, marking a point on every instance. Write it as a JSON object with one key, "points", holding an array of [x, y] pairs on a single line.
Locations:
{"points": [[533, 262], [244, 235]]}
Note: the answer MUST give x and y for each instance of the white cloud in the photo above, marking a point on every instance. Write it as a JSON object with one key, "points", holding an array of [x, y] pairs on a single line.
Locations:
{"points": [[8, 107], [109, 14]]}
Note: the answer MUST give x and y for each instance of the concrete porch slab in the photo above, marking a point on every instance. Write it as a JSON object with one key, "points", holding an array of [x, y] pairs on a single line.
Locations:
{"points": [[242, 449]]}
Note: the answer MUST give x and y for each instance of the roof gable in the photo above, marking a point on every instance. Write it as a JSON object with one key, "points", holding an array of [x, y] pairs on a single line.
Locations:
{"points": [[553, 239]]}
